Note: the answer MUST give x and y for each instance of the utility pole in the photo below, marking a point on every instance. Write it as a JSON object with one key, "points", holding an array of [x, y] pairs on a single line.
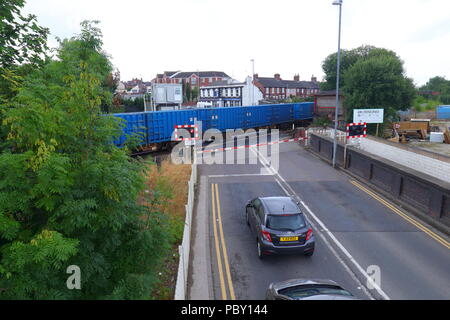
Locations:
{"points": [[145, 103], [337, 3], [253, 80]]}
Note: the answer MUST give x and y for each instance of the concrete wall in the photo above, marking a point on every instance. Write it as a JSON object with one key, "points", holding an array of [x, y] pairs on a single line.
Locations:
{"points": [[419, 192], [439, 169]]}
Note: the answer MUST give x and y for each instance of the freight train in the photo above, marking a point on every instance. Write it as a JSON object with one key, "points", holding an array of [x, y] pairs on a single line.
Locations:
{"points": [[156, 128]]}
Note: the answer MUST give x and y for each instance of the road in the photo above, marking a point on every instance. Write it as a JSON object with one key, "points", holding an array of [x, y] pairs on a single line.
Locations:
{"points": [[357, 233]]}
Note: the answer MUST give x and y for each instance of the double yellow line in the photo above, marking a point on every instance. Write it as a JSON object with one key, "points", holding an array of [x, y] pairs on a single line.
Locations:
{"points": [[220, 243], [403, 215]]}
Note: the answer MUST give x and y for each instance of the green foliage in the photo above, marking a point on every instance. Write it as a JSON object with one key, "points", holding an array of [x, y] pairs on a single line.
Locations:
{"points": [[441, 85], [371, 78], [348, 59], [23, 45], [68, 196], [378, 82], [133, 105], [294, 99], [22, 41], [195, 93], [190, 93], [421, 103], [187, 91], [321, 122]]}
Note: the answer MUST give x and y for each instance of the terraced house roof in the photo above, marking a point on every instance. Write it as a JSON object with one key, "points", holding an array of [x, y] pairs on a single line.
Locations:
{"points": [[275, 83]]}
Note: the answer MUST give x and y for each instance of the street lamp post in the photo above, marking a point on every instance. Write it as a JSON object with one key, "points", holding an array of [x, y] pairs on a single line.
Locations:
{"points": [[337, 3], [253, 80]]}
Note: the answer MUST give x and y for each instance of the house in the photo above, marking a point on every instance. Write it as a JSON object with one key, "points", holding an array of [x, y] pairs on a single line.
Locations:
{"points": [[194, 78], [120, 88], [230, 93], [135, 88], [278, 89]]}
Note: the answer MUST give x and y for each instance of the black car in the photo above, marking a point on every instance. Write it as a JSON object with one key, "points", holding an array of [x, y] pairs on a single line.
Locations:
{"points": [[279, 227], [300, 289]]}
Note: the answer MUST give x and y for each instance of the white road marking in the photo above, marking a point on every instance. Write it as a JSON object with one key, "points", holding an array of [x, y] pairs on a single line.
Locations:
{"points": [[239, 175], [325, 229]]}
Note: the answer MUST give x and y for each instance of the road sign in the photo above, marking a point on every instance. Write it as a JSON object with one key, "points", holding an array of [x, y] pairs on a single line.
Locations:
{"points": [[368, 115], [357, 130]]}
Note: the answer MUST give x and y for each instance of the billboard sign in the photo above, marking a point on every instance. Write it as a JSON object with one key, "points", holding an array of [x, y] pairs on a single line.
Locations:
{"points": [[368, 115], [167, 93]]}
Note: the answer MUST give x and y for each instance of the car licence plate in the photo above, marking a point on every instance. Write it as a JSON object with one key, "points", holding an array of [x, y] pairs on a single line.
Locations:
{"points": [[286, 239]]}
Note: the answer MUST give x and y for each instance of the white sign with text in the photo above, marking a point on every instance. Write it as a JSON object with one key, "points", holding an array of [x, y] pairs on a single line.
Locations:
{"points": [[368, 115]]}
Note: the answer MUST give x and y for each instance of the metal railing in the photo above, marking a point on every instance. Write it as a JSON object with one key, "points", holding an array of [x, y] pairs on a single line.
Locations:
{"points": [[184, 248]]}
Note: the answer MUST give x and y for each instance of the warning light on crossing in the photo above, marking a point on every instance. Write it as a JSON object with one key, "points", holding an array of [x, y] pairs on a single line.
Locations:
{"points": [[357, 130]]}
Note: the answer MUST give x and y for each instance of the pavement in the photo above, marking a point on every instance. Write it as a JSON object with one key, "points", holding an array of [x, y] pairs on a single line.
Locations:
{"points": [[368, 245]]}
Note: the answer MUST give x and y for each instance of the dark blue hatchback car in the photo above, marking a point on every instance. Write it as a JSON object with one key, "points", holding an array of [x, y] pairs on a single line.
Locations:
{"points": [[279, 227]]}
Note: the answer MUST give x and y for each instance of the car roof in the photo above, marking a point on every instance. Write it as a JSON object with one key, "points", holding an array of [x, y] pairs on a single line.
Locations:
{"points": [[280, 205]]}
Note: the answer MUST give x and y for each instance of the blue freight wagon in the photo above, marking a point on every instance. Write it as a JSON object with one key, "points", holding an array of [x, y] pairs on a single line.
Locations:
{"points": [[443, 112], [134, 123], [156, 127]]}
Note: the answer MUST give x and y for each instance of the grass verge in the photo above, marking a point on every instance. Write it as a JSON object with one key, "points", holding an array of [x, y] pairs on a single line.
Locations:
{"points": [[170, 181]]}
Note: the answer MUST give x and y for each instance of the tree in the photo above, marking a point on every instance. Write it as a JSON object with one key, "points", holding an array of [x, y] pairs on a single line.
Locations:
{"points": [[21, 39], [187, 92], [348, 59], [22, 43], [23, 47], [68, 196], [441, 85], [371, 77], [378, 81], [194, 93]]}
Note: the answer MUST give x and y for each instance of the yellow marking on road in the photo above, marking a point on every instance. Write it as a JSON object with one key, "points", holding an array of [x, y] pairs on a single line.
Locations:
{"points": [[403, 215], [216, 240], [224, 247]]}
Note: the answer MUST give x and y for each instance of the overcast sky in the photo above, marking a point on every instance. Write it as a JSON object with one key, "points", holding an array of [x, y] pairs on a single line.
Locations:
{"points": [[145, 37]]}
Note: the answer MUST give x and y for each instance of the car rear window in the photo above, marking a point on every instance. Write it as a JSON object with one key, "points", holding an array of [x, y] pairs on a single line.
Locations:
{"points": [[286, 222], [304, 292]]}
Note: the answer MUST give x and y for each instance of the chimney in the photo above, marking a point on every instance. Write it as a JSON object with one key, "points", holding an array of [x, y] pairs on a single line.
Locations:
{"points": [[313, 79], [277, 76], [297, 77]]}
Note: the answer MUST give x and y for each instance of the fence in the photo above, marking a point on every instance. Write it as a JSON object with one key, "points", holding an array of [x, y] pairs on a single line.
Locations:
{"points": [[184, 248], [421, 193]]}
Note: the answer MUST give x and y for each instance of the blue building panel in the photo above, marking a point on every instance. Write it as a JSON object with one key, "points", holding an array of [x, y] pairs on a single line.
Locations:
{"points": [[443, 112]]}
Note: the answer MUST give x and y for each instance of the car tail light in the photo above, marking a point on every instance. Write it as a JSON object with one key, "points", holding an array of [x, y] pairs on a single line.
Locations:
{"points": [[266, 236], [309, 234]]}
